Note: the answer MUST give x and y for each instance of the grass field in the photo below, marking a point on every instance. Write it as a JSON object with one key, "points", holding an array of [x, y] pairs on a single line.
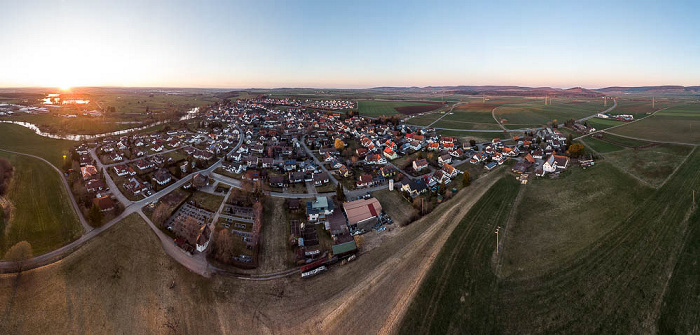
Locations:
{"points": [[621, 282], [375, 108], [558, 217], [652, 165], [21, 139], [395, 205], [42, 213], [424, 120], [600, 124], [74, 125], [208, 201], [455, 295], [600, 146], [561, 109], [676, 124]]}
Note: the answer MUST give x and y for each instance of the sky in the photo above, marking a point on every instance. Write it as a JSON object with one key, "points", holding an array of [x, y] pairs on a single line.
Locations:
{"points": [[348, 44]]}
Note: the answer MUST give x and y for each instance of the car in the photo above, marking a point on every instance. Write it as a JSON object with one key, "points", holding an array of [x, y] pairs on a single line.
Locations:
{"points": [[381, 229]]}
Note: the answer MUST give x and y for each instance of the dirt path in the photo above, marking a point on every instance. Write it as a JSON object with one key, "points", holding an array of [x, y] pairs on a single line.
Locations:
{"points": [[396, 280]]}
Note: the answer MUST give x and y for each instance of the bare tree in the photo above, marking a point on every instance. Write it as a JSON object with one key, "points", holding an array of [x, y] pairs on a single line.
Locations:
{"points": [[223, 246], [161, 214]]}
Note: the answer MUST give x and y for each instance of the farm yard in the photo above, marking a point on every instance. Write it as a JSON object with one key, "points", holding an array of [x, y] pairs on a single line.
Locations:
{"points": [[40, 211], [622, 281], [376, 108]]}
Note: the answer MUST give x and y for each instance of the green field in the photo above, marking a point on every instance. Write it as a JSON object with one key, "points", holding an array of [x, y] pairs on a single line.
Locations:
{"points": [[652, 165], [600, 146], [556, 218], [456, 294], [622, 281], [600, 124], [42, 214], [21, 139], [561, 109], [424, 120], [375, 108], [676, 124]]}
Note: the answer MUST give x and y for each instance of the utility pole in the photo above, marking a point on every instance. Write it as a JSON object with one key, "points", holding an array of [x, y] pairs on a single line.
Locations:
{"points": [[605, 101], [653, 102], [497, 229]]}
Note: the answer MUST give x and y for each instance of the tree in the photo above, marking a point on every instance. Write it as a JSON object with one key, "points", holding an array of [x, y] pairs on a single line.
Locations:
{"points": [[576, 150], [442, 187], [19, 253], [569, 140], [223, 246], [472, 143], [339, 193], [339, 144], [95, 216], [6, 173], [187, 229], [161, 214], [555, 124], [465, 179]]}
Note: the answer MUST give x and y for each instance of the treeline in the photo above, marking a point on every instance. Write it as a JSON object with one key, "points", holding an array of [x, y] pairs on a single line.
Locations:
{"points": [[6, 173]]}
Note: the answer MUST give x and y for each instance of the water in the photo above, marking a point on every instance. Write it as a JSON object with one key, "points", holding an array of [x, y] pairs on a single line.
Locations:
{"points": [[82, 137]]}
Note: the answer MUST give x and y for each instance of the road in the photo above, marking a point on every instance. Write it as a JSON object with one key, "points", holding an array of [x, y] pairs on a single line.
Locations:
{"points": [[603, 112], [446, 114], [108, 178], [83, 222], [311, 154]]}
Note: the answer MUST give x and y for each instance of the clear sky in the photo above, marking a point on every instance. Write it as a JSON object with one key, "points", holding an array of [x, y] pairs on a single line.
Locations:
{"points": [[348, 43]]}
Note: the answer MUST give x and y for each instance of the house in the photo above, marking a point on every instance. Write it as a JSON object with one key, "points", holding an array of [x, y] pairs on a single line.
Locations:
{"points": [[344, 171], [94, 185], [375, 159], [88, 172], [142, 164], [433, 146], [277, 181], [365, 180], [387, 171], [296, 177], [555, 162], [420, 164], [318, 209], [134, 186], [440, 176], [450, 170], [390, 153], [414, 187], [162, 177], [321, 179], [529, 159], [252, 175], [444, 159], [336, 224], [490, 166], [104, 203], [362, 212]]}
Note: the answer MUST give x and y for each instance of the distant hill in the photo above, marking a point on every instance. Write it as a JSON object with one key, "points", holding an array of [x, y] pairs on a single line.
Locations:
{"points": [[495, 90], [660, 90]]}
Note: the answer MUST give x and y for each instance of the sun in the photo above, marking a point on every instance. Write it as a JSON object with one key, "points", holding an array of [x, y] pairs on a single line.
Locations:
{"points": [[64, 87]]}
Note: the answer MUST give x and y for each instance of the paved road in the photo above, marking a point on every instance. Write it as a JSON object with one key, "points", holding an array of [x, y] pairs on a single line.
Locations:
{"points": [[110, 183], [446, 114], [311, 154], [83, 222], [603, 112]]}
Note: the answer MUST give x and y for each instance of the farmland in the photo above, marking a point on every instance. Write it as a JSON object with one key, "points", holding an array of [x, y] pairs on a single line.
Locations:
{"points": [[599, 145], [623, 281], [21, 139], [41, 212], [536, 113], [675, 124], [376, 108], [652, 165]]}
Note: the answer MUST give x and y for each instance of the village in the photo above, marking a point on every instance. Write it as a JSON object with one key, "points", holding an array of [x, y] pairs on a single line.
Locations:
{"points": [[211, 176]]}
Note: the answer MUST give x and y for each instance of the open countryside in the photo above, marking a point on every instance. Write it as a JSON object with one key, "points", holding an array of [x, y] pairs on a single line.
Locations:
{"points": [[338, 167]]}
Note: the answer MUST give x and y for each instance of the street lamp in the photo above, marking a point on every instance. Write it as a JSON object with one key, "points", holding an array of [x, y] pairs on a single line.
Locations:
{"points": [[497, 229]]}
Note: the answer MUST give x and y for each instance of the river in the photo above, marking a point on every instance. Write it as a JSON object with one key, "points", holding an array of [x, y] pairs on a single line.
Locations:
{"points": [[191, 114]]}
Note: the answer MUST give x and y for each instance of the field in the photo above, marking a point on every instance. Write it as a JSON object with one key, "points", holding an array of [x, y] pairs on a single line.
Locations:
{"points": [[600, 145], [208, 201], [375, 108], [561, 109], [652, 165], [620, 282], [600, 124], [556, 218], [274, 254], [424, 120], [453, 294], [42, 214], [21, 139], [676, 124], [56, 124]]}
